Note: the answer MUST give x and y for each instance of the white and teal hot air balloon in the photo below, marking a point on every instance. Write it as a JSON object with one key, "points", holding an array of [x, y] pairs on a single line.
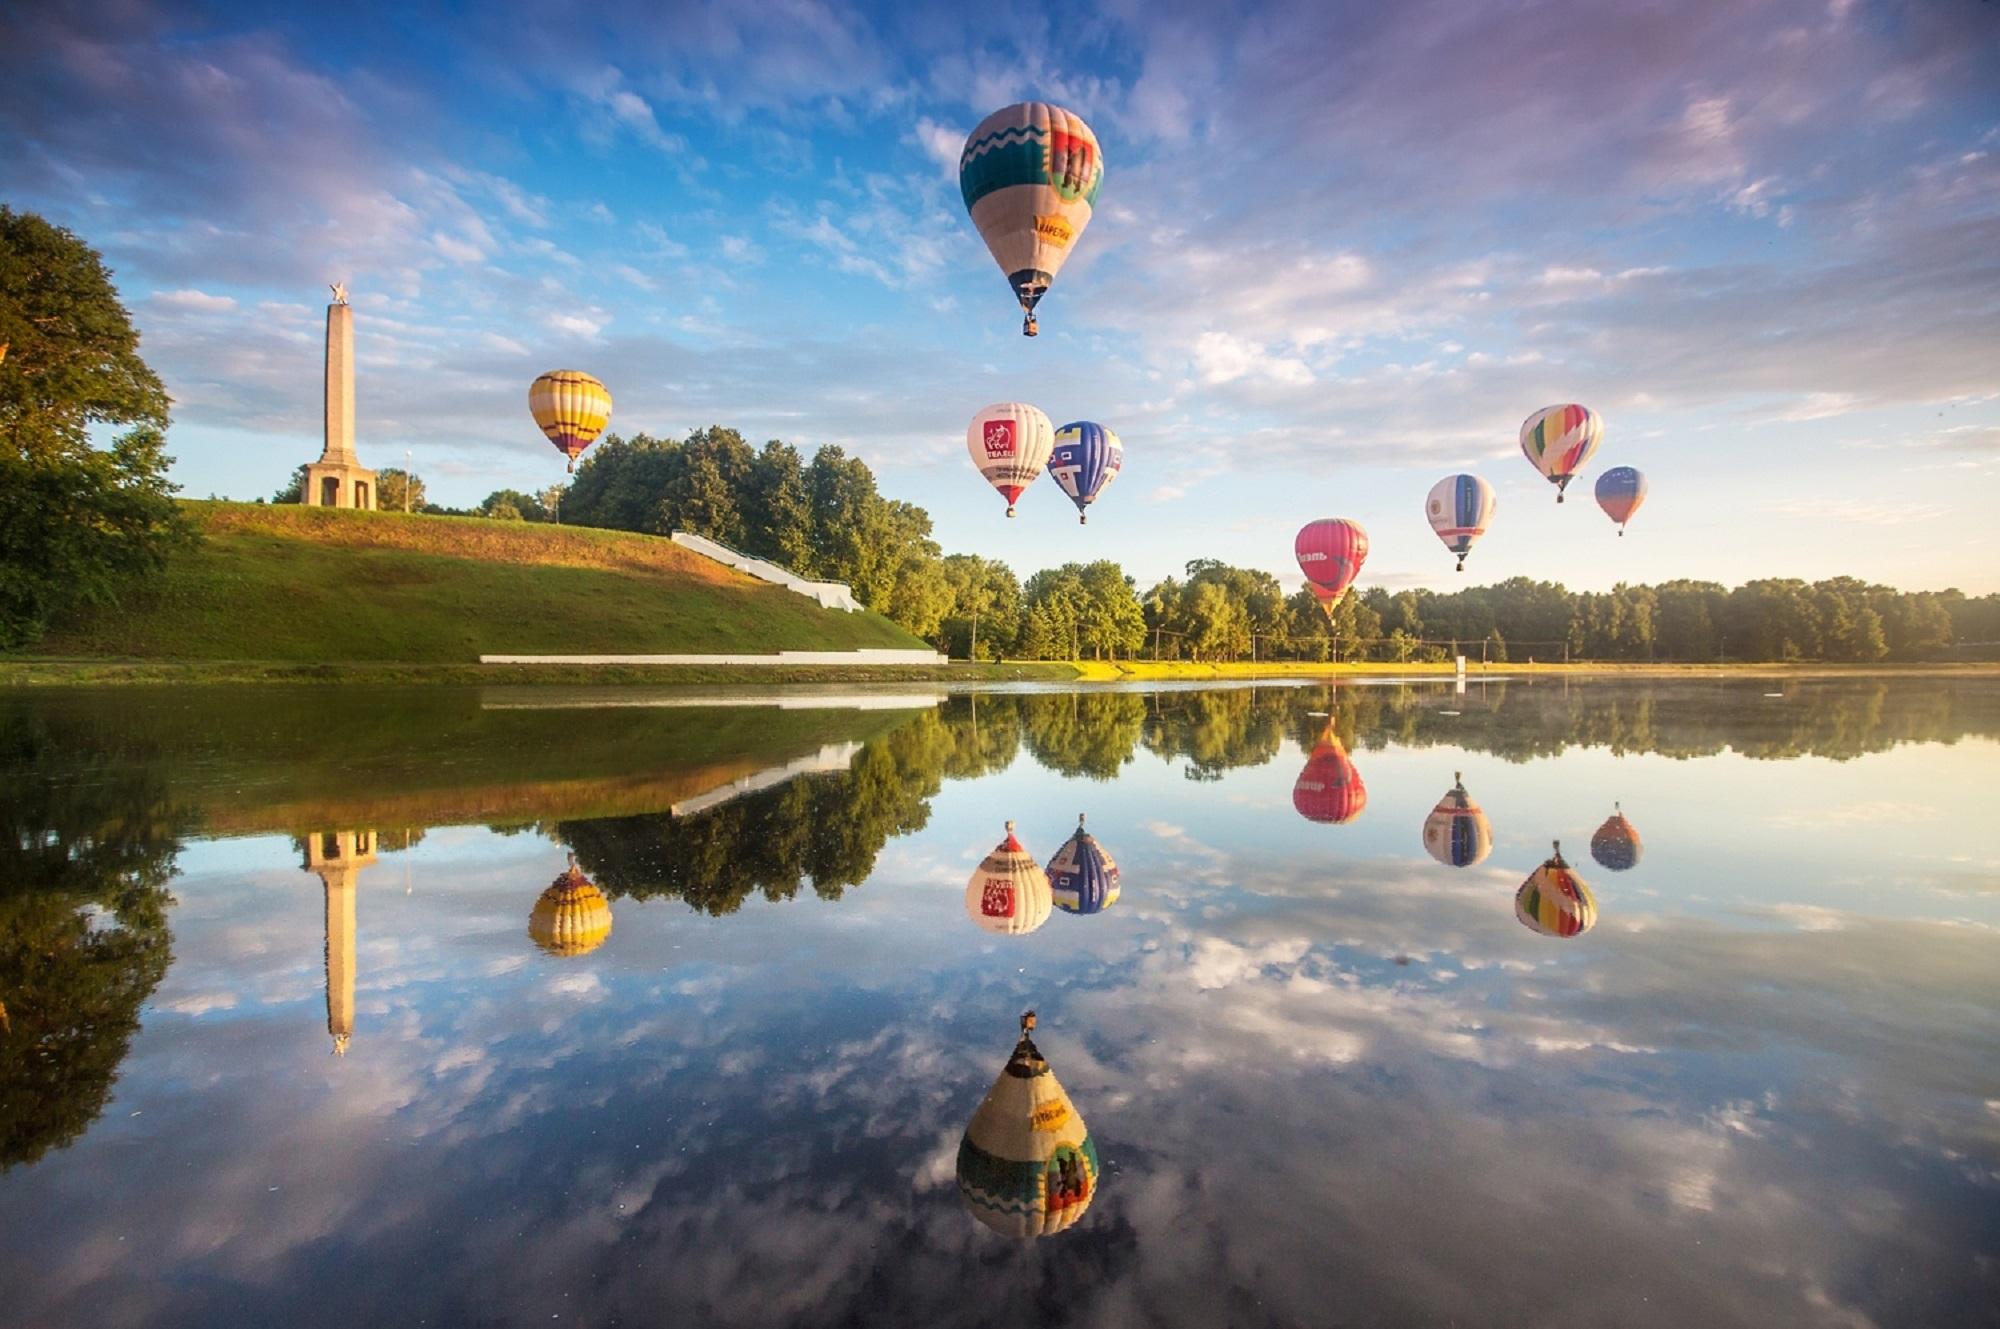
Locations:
{"points": [[1027, 1166], [1029, 176]]}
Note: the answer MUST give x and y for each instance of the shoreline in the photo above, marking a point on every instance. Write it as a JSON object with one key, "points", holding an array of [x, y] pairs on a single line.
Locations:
{"points": [[31, 672]]}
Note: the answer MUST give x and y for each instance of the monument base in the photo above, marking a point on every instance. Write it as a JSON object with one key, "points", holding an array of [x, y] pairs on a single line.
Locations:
{"points": [[332, 484]]}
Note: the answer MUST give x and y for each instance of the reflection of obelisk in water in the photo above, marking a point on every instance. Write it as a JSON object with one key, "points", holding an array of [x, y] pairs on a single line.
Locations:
{"points": [[337, 479], [338, 857]]}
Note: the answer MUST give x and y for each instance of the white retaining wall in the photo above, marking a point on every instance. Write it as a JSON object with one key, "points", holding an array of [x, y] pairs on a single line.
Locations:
{"points": [[874, 656], [830, 594]]}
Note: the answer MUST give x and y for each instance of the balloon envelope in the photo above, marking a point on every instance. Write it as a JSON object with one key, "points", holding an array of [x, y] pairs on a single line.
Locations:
{"points": [[1086, 460], [572, 916], [1457, 833], [1329, 789], [1082, 877], [571, 408], [1555, 902], [1330, 553], [1029, 175], [1027, 1166], [1616, 844], [1558, 440], [1008, 892], [1458, 507], [1620, 491], [1010, 442]]}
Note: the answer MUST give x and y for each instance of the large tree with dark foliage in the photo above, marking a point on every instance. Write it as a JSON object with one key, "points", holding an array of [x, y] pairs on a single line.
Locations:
{"points": [[79, 525]]}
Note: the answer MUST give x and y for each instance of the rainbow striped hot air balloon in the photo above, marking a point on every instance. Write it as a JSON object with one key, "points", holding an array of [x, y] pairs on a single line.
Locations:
{"points": [[1329, 789], [1008, 892], [1615, 844], [1029, 175], [1620, 491], [1558, 440], [1087, 459], [1010, 442], [572, 917], [1027, 1166], [572, 408], [1457, 833], [1458, 508], [1554, 901], [1330, 552], [1082, 877]]}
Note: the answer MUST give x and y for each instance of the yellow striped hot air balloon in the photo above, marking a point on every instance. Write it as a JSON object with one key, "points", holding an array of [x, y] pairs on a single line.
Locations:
{"points": [[572, 917], [1027, 1166], [572, 408], [1554, 901]]}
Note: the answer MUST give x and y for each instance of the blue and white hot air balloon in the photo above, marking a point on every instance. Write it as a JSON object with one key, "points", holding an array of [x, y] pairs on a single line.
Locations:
{"points": [[1086, 460], [1458, 508], [1082, 876]]}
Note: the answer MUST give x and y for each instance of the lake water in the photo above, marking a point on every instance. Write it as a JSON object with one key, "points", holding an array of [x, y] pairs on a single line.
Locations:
{"points": [[308, 1022]]}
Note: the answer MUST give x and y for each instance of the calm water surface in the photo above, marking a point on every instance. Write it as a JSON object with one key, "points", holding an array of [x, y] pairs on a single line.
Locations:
{"points": [[306, 1021]]}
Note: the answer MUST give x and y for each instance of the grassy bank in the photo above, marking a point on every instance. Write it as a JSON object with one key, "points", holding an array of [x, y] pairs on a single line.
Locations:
{"points": [[290, 585]]}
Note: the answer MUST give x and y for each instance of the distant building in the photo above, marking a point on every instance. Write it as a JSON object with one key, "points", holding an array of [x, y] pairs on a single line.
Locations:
{"points": [[338, 479]]}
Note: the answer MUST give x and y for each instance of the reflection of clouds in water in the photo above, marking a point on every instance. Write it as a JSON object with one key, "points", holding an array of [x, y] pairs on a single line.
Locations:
{"points": [[1703, 1111]]}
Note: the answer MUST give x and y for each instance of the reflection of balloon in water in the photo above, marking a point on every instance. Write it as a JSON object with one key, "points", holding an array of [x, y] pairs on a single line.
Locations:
{"points": [[1616, 845], [1087, 459], [1457, 833], [1459, 506], [572, 408], [1559, 440], [1329, 789], [1620, 491], [572, 916], [1029, 175], [1010, 442], [1008, 892], [1554, 901], [1027, 1166], [1330, 552], [1082, 877]]}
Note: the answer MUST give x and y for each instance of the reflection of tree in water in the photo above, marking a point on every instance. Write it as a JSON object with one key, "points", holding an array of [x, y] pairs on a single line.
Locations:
{"points": [[827, 829], [1083, 733], [1217, 731], [87, 847]]}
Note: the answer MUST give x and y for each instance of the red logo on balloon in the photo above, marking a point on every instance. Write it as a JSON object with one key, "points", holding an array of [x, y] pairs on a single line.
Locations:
{"points": [[996, 899], [999, 438]]}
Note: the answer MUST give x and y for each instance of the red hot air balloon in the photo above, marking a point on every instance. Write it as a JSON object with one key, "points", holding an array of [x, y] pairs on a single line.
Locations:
{"points": [[1329, 789], [1330, 552]]}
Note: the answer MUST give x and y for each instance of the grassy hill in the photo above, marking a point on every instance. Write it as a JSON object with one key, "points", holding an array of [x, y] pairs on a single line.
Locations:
{"points": [[294, 584]]}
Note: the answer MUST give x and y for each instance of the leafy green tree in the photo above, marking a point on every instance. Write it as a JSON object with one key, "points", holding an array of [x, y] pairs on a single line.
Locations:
{"points": [[393, 487], [512, 505], [986, 599], [294, 489]]}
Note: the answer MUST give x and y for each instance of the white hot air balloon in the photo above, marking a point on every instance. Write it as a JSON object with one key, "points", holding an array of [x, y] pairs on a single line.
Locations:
{"points": [[1010, 443]]}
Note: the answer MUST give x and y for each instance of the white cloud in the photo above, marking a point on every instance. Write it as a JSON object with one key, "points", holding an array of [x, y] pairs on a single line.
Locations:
{"points": [[198, 302]]}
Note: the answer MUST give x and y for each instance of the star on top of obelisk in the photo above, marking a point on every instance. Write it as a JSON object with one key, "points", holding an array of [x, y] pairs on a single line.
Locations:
{"points": [[339, 290]]}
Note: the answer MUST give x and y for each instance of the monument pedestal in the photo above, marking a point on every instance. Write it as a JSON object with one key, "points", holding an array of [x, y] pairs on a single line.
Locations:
{"points": [[338, 484]]}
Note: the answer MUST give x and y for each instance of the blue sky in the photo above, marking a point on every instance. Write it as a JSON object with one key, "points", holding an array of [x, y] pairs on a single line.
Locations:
{"points": [[1341, 250]]}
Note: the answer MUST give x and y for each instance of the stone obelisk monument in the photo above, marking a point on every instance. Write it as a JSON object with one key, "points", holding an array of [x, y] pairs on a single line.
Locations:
{"points": [[337, 479], [338, 857]]}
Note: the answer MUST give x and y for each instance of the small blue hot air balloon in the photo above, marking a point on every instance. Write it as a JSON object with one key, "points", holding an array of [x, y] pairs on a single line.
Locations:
{"points": [[1087, 458], [1620, 491], [1082, 876]]}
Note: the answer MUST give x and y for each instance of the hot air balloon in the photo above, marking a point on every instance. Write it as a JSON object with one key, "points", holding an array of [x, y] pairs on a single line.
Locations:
{"points": [[572, 916], [1027, 1166], [1620, 491], [1459, 507], [1010, 442], [1082, 877], [1029, 175], [1087, 459], [1457, 833], [1615, 844], [572, 408], [1554, 901], [1329, 789], [1008, 892], [1330, 552], [1559, 440]]}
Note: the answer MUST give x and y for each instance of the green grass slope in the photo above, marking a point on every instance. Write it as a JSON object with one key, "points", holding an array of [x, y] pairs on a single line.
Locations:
{"points": [[309, 585]]}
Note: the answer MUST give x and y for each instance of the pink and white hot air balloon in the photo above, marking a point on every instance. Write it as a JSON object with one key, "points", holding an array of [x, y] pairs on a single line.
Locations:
{"points": [[1010, 443]]}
